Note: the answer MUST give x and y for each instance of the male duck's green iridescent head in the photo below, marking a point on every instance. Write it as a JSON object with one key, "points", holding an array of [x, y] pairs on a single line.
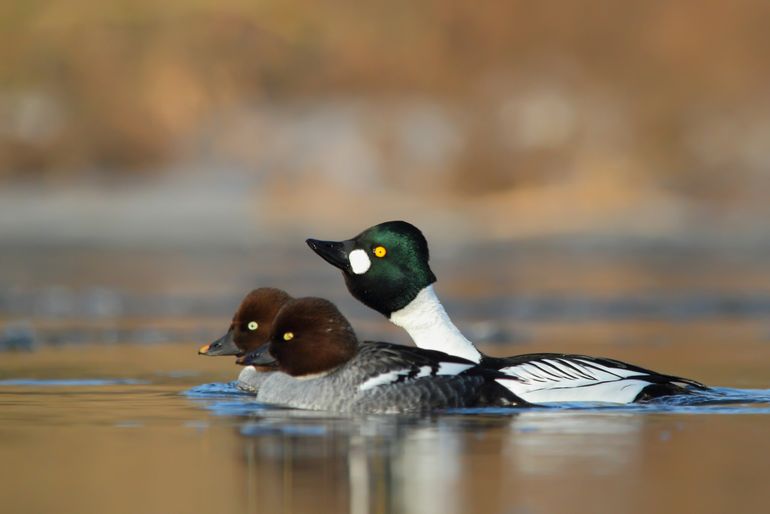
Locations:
{"points": [[384, 266]]}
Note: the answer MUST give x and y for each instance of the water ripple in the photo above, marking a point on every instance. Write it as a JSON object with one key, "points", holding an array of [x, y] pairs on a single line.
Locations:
{"points": [[718, 400], [215, 390]]}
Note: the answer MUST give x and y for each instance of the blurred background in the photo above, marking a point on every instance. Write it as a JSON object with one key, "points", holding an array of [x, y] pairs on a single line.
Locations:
{"points": [[238, 122], [162, 159], [593, 177]]}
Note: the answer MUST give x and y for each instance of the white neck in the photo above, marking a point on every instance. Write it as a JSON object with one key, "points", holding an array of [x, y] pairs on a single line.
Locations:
{"points": [[426, 321]]}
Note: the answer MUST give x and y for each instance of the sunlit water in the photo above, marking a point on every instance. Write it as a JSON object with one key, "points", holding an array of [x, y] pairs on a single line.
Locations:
{"points": [[109, 409]]}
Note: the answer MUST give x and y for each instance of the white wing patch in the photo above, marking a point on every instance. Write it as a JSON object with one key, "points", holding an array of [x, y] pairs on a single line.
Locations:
{"points": [[444, 368], [385, 378], [573, 380]]}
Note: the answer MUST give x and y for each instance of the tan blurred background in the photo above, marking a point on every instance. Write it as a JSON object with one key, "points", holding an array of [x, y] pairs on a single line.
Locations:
{"points": [[593, 177], [235, 121]]}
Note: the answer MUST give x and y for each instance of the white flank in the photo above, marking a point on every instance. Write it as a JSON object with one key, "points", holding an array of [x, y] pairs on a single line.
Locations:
{"points": [[553, 380], [620, 391], [429, 326], [359, 261]]}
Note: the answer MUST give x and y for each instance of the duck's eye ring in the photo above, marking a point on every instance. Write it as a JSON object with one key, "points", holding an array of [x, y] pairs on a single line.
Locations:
{"points": [[380, 251], [288, 336], [253, 325]]}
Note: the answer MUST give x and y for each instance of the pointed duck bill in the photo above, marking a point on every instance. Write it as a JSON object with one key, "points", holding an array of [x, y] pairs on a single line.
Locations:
{"points": [[222, 346], [262, 354], [333, 252], [259, 357]]}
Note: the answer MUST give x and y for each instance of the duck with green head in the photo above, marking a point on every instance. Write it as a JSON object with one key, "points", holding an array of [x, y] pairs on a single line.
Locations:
{"points": [[387, 268]]}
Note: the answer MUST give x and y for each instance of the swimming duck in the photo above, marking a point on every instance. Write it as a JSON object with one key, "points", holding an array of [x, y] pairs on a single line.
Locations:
{"points": [[250, 329], [386, 268], [324, 367]]}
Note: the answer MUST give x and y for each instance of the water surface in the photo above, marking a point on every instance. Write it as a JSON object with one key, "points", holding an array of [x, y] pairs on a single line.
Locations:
{"points": [[107, 409]]}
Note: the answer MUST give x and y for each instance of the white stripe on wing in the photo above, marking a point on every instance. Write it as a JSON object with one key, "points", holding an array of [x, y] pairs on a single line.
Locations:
{"points": [[573, 380]]}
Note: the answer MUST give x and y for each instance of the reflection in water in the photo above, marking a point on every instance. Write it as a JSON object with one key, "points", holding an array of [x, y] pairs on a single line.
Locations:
{"points": [[128, 447], [543, 443], [412, 465], [298, 461], [87, 429], [459, 461]]}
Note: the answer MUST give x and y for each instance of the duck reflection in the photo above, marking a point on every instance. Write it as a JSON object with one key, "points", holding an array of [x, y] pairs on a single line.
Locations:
{"points": [[300, 461], [546, 442], [309, 462]]}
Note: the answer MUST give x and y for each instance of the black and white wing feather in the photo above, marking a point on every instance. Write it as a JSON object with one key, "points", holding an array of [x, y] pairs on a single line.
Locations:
{"points": [[553, 377], [387, 364], [394, 378]]}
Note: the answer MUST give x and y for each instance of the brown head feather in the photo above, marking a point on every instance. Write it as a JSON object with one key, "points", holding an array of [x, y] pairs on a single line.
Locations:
{"points": [[321, 338], [261, 305]]}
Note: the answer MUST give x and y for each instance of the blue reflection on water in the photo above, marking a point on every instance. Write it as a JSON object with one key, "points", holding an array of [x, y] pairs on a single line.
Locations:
{"points": [[718, 400], [292, 429], [216, 390]]}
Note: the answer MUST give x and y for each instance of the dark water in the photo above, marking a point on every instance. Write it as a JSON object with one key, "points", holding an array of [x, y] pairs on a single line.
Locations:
{"points": [[105, 406]]}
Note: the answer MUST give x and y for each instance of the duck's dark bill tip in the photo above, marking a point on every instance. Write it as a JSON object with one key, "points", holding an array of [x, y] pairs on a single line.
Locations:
{"points": [[247, 359], [259, 357], [332, 252], [222, 346]]}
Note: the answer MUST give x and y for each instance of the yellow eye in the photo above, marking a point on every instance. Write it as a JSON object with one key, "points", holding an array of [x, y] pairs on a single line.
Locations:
{"points": [[380, 251], [288, 336], [253, 325]]}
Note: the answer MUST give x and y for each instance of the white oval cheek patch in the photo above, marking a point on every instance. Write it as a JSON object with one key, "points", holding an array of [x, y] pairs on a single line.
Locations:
{"points": [[359, 261]]}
